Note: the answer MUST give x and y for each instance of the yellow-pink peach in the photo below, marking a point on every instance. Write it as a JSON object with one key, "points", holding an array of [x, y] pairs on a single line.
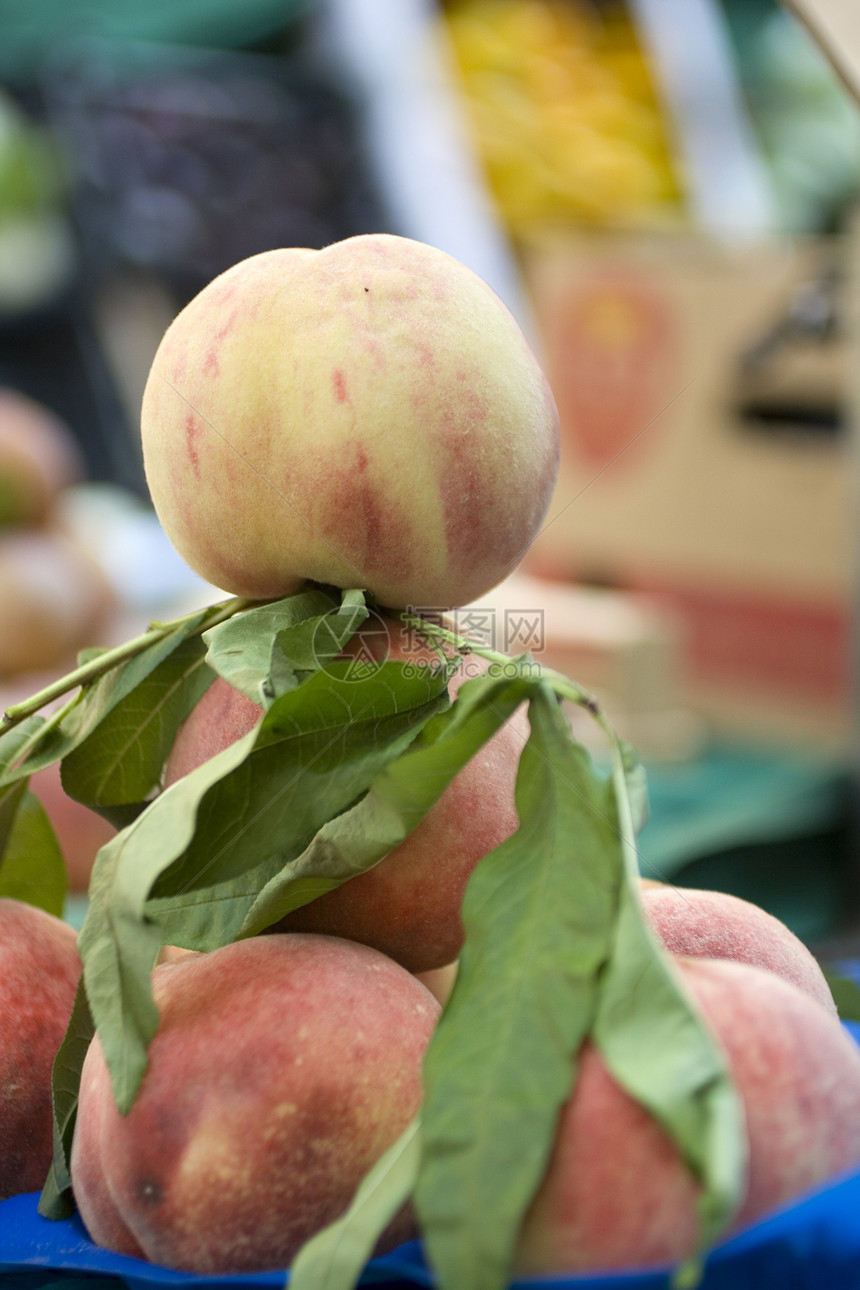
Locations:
{"points": [[367, 415]]}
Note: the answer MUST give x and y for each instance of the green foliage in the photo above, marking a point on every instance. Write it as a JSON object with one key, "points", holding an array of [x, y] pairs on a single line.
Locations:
{"points": [[342, 765], [539, 914], [846, 994], [56, 1198], [31, 867], [269, 650]]}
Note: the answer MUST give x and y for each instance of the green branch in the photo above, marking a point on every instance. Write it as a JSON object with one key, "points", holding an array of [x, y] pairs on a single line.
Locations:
{"points": [[111, 658]]}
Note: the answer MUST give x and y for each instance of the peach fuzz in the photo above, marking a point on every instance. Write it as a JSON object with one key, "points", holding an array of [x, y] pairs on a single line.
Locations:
{"points": [[283, 1067], [616, 1193], [367, 415], [408, 905], [715, 925], [39, 971]]}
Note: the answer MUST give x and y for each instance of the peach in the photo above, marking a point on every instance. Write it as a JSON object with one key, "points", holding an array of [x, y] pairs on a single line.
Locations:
{"points": [[283, 1067], [441, 981], [53, 599], [367, 415], [407, 905], [39, 457], [616, 1193], [716, 925], [39, 971]]}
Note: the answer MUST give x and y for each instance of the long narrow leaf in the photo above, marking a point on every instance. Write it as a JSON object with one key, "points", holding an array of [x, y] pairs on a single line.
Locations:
{"points": [[653, 1040], [539, 915], [56, 1200], [97, 701]]}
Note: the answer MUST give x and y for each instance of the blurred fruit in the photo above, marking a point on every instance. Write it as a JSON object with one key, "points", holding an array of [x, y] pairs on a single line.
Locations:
{"points": [[54, 600], [564, 112], [39, 457]]}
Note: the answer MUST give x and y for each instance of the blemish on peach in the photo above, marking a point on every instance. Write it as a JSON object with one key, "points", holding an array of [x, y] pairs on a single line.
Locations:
{"points": [[192, 434]]}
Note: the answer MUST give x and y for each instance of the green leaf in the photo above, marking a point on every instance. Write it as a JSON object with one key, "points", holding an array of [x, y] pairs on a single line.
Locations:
{"points": [[658, 1046], [335, 1257], [13, 743], [56, 1199], [10, 800], [655, 1043], [32, 868], [119, 950], [261, 799], [354, 840], [122, 758], [261, 824], [290, 638], [846, 994], [96, 703], [318, 748], [122, 815], [539, 915], [314, 643]]}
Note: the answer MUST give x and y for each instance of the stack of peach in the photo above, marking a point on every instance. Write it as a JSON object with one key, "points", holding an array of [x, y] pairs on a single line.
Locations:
{"points": [[286, 1064]]}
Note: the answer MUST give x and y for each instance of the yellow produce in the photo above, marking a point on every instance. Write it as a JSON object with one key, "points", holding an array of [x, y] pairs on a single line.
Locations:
{"points": [[564, 111]]}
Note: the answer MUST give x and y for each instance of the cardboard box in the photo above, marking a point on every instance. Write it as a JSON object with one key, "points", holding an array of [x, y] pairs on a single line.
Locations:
{"points": [[705, 459]]}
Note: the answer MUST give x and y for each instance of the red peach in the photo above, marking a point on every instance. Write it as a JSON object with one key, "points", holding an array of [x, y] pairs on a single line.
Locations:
{"points": [[283, 1067], [616, 1193], [716, 925], [39, 971]]}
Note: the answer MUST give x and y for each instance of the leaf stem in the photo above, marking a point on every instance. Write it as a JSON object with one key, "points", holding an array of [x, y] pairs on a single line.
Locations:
{"points": [[47, 726], [562, 685], [111, 658]]}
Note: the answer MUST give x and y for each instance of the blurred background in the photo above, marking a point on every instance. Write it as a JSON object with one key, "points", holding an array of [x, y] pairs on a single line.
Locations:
{"points": [[665, 192]]}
